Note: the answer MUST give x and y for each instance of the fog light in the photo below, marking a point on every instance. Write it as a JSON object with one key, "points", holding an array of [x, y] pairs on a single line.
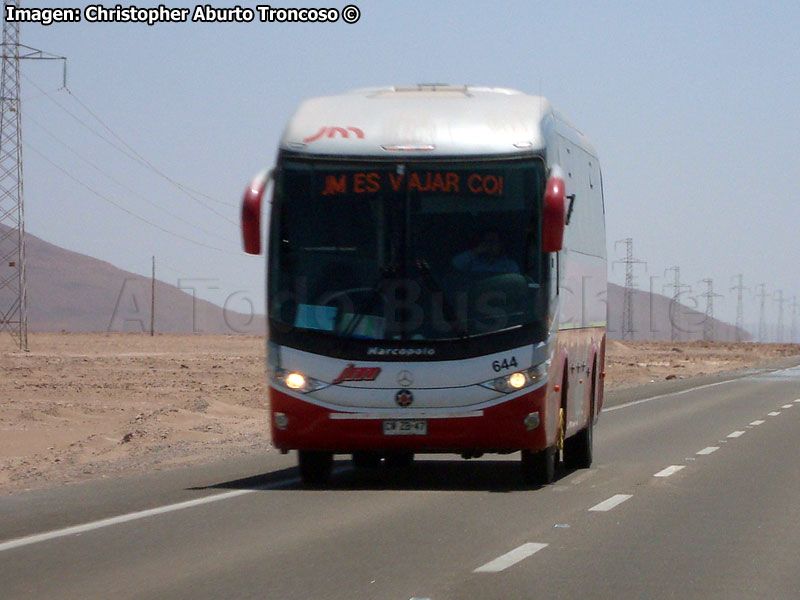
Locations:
{"points": [[295, 381], [517, 380], [281, 421], [532, 421]]}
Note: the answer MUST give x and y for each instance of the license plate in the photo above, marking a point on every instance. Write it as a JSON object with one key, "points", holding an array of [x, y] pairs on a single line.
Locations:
{"points": [[405, 427]]}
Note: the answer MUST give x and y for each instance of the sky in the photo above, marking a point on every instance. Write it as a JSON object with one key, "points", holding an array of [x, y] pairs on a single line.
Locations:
{"points": [[691, 107]]}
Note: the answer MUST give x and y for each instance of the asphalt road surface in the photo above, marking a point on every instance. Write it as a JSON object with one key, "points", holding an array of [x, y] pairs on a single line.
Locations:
{"points": [[694, 493]]}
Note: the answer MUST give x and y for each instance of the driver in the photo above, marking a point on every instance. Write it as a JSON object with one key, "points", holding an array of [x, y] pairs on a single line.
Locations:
{"points": [[487, 256]]}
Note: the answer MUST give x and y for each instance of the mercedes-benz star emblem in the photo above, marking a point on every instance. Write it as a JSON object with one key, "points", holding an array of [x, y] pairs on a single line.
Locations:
{"points": [[404, 398], [405, 378]]}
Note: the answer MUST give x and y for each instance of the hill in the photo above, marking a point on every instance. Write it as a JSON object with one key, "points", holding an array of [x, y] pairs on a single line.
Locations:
{"points": [[74, 292], [68, 291]]}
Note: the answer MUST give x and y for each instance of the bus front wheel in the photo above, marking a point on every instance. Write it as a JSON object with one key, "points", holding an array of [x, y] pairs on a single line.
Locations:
{"points": [[539, 467], [315, 466]]}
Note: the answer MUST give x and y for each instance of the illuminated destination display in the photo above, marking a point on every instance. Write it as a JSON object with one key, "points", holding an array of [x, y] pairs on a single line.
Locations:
{"points": [[422, 181]]}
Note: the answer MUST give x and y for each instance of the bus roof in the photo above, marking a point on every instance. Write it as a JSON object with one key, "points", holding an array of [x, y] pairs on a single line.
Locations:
{"points": [[422, 120]]}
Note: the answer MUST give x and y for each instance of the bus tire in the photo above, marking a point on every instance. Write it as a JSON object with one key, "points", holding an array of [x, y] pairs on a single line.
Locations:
{"points": [[399, 460], [578, 448], [366, 459], [539, 467], [315, 466]]}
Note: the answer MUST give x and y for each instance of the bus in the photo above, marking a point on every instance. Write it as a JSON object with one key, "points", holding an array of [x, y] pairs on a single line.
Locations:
{"points": [[436, 280]]}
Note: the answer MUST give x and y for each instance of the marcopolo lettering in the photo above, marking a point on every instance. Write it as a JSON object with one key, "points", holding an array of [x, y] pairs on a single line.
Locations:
{"points": [[375, 351]]}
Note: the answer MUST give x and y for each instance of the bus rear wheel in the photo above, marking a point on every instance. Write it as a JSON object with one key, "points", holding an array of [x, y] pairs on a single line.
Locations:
{"points": [[539, 467], [315, 466], [578, 448]]}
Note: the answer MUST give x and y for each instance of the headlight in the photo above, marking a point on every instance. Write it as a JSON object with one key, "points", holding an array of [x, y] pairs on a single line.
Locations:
{"points": [[520, 379], [296, 381], [517, 380]]}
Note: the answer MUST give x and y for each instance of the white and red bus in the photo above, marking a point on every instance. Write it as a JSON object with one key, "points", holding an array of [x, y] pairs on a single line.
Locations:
{"points": [[436, 279]]}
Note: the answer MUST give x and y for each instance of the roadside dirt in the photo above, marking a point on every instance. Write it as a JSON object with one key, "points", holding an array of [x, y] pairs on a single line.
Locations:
{"points": [[84, 406]]}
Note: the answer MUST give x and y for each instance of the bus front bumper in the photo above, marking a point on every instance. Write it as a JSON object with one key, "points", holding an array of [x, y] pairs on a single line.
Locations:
{"points": [[524, 422]]}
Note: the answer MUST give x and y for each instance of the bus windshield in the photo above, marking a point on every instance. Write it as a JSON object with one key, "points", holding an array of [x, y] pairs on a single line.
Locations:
{"points": [[430, 251]]}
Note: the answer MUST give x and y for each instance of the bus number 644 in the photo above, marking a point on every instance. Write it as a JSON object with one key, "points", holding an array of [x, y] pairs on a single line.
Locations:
{"points": [[500, 365]]}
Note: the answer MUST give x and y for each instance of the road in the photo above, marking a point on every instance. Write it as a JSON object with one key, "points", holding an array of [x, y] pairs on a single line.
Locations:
{"points": [[695, 493]]}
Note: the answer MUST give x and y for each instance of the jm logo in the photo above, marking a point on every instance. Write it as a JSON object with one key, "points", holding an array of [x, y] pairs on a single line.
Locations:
{"points": [[332, 132]]}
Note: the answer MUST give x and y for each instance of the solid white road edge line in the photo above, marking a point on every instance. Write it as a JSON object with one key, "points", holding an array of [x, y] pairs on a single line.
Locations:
{"points": [[699, 387], [142, 514], [672, 469], [607, 505], [708, 450], [510, 558]]}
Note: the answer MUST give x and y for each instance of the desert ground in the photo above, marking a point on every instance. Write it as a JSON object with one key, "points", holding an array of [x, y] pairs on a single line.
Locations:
{"points": [[87, 406]]}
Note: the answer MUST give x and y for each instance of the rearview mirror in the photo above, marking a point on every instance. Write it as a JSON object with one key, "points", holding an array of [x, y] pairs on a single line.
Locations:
{"points": [[553, 213], [251, 213]]}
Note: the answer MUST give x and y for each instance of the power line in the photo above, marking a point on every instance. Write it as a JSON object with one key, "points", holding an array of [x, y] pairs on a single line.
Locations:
{"points": [[178, 184], [122, 185], [123, 209], [135, 157]]}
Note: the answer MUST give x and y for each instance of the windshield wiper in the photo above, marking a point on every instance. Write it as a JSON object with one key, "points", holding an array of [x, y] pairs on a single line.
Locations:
{"points": [[450, 313], [368, 303]]}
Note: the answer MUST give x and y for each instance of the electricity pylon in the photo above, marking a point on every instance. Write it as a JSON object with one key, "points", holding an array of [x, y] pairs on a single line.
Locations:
{"points": [[739, 288], [708, 322], [627, 303], [13, 292], [781, 301], [675, 306]]}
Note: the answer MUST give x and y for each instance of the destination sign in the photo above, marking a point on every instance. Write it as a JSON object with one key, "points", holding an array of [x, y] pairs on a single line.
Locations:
{"points": [[422, 181]]}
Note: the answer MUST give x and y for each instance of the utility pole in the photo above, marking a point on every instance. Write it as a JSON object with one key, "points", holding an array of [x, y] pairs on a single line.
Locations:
{"points": [[153, 299], [13, 290], [675, 312], [708, 322], [627, 303], [739, 288], [794, 321], [780, 300]]}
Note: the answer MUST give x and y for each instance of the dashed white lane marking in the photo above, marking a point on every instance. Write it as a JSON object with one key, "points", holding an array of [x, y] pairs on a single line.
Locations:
{"points": [[510, 558], [607, 505], [709, 450], [142, 514], [787, 406], [651, 398], [758, 422], [798, 401], [671, 470], [736, 434], [774, 413]]}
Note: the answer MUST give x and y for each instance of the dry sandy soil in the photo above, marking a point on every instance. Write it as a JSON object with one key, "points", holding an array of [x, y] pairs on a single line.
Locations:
{"points": [[82, 406]]}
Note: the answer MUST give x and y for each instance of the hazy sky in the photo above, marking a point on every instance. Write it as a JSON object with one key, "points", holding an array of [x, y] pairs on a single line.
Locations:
{"points": [[692, 107]]}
